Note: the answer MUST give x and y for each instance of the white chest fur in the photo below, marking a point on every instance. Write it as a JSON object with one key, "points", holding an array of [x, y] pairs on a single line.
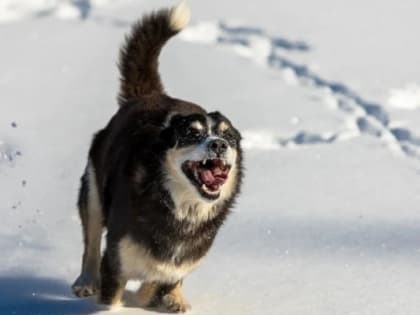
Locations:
{"points": [[137, 263]]}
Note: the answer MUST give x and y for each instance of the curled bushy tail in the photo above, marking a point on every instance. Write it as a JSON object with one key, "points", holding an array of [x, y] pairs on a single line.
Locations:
{"points": [[139, 58]]}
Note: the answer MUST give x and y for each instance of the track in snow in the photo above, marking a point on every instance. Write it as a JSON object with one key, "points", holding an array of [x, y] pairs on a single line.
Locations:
{"points": [[364, 116], [8, 153]]}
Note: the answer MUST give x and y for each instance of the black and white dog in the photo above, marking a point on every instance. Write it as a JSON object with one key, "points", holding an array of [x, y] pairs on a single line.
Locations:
{"points": [[161, 178]]}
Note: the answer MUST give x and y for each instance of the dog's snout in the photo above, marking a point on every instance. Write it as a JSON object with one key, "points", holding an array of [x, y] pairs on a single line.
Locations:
{"points": [[218, 146]]}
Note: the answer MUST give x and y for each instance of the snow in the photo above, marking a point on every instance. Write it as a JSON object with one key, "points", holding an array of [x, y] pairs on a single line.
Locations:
{"points": [[16, 10], [405, 98], [326, 96]]}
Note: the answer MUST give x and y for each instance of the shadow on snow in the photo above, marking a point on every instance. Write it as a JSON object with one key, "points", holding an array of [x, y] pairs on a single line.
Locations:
{"points": [[27, 295]]}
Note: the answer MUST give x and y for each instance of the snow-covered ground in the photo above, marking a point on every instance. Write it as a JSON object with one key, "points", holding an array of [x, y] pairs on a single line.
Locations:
{"points": [[327, 96]]}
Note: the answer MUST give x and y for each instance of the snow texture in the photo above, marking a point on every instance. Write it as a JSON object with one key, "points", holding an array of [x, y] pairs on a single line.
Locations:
{"points": [[405, 98], [326, 95]]}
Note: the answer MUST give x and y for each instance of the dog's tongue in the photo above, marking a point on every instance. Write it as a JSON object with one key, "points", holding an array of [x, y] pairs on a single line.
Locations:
{"points": [[207, 177], [217, 171], [212, 177]]}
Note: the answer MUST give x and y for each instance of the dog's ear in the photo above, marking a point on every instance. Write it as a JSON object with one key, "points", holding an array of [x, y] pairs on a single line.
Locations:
{"points": [[169, 133], [216, 115]]}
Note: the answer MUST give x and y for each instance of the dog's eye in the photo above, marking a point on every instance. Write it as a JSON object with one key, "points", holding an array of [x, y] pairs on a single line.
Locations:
{"points": [[194, 132]]}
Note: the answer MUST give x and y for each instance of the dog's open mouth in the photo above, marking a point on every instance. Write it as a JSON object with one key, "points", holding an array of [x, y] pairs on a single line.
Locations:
{"points": [[207, 175]]}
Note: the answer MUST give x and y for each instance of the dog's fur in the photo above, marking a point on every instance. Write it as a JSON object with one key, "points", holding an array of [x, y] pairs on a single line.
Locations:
{"points": [[161, 178]]}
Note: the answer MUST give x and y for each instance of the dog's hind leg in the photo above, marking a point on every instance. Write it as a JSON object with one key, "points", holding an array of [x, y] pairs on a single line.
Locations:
{"points": [[167, 296], [91, 215]]}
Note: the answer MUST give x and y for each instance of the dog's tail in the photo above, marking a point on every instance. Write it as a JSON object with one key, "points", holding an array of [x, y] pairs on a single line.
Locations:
{"points": [[139, 64]]}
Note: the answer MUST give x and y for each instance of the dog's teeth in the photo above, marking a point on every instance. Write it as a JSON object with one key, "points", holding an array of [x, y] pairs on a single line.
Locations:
{"points": [[204, 161]]}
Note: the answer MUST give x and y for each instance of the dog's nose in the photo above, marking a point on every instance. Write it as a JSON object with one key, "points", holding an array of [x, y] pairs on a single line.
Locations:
{"points": [[218, 146]]}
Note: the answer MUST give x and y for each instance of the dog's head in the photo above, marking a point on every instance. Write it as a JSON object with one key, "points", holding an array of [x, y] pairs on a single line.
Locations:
{"points": [[203, 161]]}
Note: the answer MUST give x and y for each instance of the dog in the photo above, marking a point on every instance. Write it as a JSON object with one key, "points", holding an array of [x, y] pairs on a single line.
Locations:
{"points": [[161, 178]]}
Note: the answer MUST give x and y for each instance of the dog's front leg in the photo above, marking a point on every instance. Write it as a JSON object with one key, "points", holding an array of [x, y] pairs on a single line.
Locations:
{"points": [[112, 282]]}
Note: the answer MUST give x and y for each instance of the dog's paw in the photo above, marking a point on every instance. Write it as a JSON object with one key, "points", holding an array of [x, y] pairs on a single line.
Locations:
{"points": [[175, 303], [85, 285]]}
